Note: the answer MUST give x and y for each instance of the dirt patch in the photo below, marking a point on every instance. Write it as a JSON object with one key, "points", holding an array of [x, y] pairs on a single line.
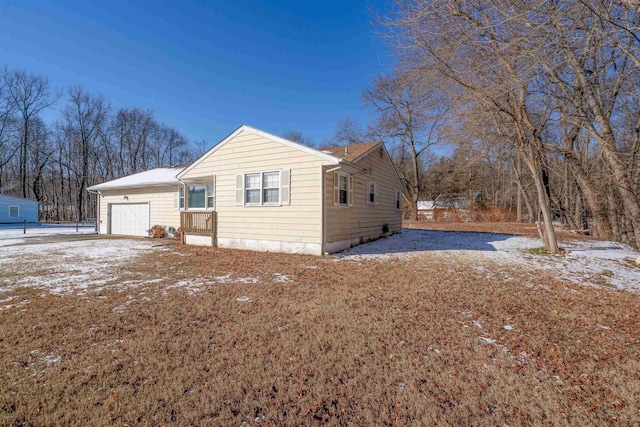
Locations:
{"points": [[223, 337]]}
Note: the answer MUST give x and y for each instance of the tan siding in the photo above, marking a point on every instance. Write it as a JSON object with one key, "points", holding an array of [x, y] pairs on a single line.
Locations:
{"points": [[363, 219], [160, 199], [301, 221]]}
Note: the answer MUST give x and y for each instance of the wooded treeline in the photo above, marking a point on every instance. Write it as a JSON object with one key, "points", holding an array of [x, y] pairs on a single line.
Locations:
{"points": [[89, 143], [539, 100]]}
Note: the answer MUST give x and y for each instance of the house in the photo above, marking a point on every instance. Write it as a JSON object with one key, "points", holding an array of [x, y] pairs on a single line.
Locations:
{"points": [[254, 190], [425, 209], [17, 210]]}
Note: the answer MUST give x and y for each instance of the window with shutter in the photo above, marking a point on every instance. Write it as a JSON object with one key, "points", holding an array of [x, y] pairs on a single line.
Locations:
{"points": [[343, 189]]}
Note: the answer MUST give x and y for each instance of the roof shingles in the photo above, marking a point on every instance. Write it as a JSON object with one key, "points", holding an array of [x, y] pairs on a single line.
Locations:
{"points": [[350, 152]]}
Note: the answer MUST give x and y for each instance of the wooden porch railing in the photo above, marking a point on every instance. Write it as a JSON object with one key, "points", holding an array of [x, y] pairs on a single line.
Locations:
{"points": [[199, 223]]}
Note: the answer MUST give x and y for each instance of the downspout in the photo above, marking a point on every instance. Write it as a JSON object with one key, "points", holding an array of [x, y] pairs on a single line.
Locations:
{"points": [[97, 209], [324, 213]]}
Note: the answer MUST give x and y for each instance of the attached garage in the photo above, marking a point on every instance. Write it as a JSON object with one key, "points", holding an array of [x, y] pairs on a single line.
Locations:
{"points": [[129, 219], [133, 204]]}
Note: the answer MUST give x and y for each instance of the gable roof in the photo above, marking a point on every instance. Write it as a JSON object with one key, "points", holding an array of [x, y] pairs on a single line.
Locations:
{"points": [[355, 152], [271, 137], [153, 177], [352, 153]]}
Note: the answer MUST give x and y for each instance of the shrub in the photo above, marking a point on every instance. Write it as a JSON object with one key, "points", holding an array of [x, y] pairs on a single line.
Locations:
{"points": [[157, 232], [177, 234]]}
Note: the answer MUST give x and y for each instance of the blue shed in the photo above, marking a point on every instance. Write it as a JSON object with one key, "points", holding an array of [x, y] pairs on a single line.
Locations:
{"points": [[17, 210]]}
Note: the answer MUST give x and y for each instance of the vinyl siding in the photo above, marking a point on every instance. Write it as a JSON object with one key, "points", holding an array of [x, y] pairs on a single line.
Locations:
{"points": [[364, 220], [28, 210], [160, 199], [300, 221]]}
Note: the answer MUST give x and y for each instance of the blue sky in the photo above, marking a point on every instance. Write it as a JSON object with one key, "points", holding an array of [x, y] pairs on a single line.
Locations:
{"points": [[206, 67]]}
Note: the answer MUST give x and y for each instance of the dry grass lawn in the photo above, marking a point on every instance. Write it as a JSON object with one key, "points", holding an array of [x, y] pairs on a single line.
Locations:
{"points": [[223, 337]]}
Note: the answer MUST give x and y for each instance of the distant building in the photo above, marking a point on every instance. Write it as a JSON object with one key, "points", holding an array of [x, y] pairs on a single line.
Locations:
{"points": [[425, 210], [17, 210], [447, 207]]}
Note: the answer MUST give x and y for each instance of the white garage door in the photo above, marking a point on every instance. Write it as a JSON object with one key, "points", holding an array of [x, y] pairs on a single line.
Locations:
{"points": [[131, 219]]}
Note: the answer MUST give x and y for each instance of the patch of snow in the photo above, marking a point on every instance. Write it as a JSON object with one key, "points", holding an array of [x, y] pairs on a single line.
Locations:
{"points": [[243, 299], [508, 327], [589, 263], [488, 340], [68, 267], [491, 341], [477, 324], [228, 278], [11, 234], [282, 278], [51, 358], [8, 242]]}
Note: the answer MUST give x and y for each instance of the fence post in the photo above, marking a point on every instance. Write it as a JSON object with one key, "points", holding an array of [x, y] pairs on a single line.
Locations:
{"points": [[24, 227]]}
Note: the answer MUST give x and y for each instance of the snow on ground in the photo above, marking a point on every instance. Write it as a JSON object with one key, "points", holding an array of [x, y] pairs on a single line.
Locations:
{"points": [[66, 267], [92, 265], [11, 234], [590, 263]]}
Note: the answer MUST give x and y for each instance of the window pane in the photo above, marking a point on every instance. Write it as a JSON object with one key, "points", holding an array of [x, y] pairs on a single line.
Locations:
{"points": [[181, 197], [271, 180], [271, 195], [343, 197], [252, 196], [252, 181], [209, 201], [13, 212], [197, 196], [344, 182]]}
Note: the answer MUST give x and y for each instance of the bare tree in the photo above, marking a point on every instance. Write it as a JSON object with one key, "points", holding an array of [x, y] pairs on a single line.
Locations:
{"points": [[299, 137], [409, 116], [84, 118], [8, 147], [29, 94]]}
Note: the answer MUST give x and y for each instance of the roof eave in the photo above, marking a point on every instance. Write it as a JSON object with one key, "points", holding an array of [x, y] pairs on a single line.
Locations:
{"points": [[124, 187]]}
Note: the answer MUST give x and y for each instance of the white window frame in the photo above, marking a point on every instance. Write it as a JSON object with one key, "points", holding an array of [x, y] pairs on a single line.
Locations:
{"points": [[179, 200], [372, 189], [398, 201], [209, 195], [17, 208], [337, 190], [262, 188]]}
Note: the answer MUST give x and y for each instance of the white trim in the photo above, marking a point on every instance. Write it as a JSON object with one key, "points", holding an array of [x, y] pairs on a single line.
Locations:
{"points": [[368, 193], [270, 246], [210, 181], [366, 153], [11, 216], [336, 189], [262, 188], [258, 132]]}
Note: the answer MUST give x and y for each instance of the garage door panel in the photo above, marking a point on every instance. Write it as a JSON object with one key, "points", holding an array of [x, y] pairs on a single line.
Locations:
{"points": [[130, 219]]}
